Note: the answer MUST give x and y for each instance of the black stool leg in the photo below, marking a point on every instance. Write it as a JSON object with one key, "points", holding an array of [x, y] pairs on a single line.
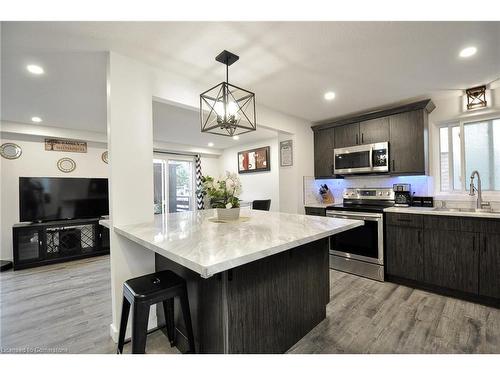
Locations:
{"points": [[187, 319], [140, 319], [168, 310], [123, 325]]}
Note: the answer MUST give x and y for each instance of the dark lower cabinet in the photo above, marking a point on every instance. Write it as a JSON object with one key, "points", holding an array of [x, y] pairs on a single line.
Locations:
{"points": [[404, 252], [489, 265], [451, 260], [449, 254], [315, 211]]}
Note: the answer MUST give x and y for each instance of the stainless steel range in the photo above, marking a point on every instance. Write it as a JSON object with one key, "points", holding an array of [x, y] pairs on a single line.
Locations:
{"points": [[361, 250]]}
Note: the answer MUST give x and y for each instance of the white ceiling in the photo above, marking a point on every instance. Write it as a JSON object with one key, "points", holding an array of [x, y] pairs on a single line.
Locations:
{"points": [[180, 125], [289, 65]]}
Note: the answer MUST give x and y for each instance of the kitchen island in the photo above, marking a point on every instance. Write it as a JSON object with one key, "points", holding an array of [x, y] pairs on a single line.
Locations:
{"points": [[255, 285]]}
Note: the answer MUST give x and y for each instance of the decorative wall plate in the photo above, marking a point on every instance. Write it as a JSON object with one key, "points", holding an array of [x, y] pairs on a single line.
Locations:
{"points": [[104, 157], [66, 165], [10, 151]]}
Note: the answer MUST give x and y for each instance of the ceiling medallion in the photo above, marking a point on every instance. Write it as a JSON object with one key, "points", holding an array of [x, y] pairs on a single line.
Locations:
{"points": [[476, 97], [226, 109]]}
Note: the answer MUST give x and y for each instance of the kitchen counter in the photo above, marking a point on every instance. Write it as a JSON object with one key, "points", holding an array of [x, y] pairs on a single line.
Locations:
{"points": [[255, 285], [441, 212], [196, 241]]}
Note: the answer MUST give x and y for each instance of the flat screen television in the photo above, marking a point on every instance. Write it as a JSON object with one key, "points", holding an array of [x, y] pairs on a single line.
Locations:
{"points": [[61, 198]]}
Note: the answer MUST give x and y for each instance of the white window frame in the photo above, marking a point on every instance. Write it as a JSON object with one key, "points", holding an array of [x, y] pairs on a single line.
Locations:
{"points": [[165, 157], [450, 124]]}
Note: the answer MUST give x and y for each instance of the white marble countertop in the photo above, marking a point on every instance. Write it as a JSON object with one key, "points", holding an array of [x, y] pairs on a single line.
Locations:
{"points": [[206, 247], [433, 211]]}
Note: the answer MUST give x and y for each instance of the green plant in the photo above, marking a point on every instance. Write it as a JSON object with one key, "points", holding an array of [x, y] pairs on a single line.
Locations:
{"points": [[222, 193]]}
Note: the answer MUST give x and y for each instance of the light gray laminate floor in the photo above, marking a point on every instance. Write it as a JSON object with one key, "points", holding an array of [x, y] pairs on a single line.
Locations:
{"points": [[64, 308], [67, 307]]}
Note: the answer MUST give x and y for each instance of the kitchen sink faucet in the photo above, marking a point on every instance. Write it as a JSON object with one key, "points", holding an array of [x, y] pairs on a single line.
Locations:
{"points": [[479, 203]]}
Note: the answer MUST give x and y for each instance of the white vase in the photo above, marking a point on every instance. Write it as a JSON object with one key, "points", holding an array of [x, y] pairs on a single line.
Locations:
{"points": [[228, 213]]}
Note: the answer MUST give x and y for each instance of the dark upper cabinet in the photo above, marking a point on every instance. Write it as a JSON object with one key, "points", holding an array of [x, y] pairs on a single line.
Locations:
{"points": [[408, 142], [374, 131], [323, 152], [405, 252], [404, 127], [347, 135], [489, 265]]}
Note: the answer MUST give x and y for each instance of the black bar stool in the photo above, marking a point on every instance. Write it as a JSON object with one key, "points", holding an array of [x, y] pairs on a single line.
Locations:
{"points": [[144, 291], [262, 205]]}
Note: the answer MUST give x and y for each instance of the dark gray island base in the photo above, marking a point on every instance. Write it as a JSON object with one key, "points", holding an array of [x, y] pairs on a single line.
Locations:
{"points": [[265, 306]]}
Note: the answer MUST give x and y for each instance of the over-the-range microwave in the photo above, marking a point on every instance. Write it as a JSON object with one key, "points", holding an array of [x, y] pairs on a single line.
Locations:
{"points": [[369, 158]]}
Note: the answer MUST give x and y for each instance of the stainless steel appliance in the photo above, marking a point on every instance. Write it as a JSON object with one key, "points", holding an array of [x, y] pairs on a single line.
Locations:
{"points": [[369, 158], [402, 194], [361, 250]]}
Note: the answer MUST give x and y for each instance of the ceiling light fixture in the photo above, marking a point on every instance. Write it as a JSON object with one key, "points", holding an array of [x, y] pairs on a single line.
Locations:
{"points": [[236, 137], [468, 52], [226, 109], [476, 97], [36, 119], [35, 69], [330, 95], [210, 144]]}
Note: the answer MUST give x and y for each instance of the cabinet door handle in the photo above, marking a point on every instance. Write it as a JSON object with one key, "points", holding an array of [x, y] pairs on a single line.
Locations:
{"points": [[393, 165], [357, 137], [474, 244], [332, 169], [362, 138], [485, 244]]}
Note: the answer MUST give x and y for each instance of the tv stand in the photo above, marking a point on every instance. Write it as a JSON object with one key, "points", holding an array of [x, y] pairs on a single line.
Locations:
{"points": [[38, 244]]}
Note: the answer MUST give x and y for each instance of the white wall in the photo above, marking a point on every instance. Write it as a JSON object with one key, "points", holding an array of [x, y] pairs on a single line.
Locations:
{"points": [[130, 142], [36, 162], [210, 165], [258, 185]]}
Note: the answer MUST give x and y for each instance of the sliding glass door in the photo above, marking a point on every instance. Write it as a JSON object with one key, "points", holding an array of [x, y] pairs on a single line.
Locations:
{"points": [[174, 185]]}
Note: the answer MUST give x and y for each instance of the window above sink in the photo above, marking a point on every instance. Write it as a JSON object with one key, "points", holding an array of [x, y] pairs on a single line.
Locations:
{"points": [[466, 146]]}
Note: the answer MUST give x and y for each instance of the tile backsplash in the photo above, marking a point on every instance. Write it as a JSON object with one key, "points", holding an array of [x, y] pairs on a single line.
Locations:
{"points": [[420, 185]]}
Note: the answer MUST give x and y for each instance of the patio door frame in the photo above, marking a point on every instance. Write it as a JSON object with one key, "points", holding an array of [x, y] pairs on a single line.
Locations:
{"points": [[165, 157]]}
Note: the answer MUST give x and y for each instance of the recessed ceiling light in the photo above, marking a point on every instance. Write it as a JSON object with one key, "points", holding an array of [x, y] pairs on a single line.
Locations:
{"points": [[210, 144], [468, 52], [35, 69], [36, 119], [330, 95], [236, 137]]}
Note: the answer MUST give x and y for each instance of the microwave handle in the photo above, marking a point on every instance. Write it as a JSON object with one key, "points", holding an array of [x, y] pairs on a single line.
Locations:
{"points": [[371, 156]]}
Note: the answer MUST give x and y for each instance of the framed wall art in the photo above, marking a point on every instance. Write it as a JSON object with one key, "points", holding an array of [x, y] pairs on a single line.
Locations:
{"points": [[256, 160], [65, 145], [286, 153]]}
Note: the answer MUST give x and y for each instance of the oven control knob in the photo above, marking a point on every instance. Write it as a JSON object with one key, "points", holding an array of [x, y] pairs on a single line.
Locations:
{"points": [[387, 193], [380, 193]]}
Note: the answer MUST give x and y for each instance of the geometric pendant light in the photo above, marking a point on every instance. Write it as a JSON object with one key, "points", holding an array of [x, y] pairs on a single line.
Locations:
{"points": [[226, 109]]}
